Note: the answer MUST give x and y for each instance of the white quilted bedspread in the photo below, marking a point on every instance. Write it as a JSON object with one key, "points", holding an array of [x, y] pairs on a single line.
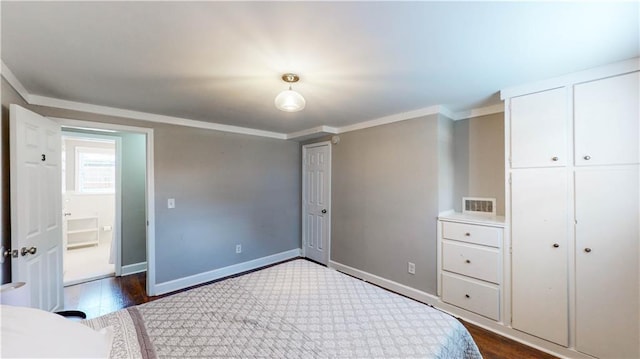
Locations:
{"points": [[299, 309]]}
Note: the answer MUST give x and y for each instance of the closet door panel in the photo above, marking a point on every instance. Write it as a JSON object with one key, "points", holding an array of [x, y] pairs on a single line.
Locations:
{"points": [[539, 230], [539, 129], [607, 279], [607, 116]]}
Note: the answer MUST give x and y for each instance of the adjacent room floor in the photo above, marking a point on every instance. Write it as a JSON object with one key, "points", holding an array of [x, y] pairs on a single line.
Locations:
{"points": [[88, 263]]}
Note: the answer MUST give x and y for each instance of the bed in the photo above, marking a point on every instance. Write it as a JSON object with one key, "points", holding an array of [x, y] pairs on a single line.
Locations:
{"points": [[296, 309]]}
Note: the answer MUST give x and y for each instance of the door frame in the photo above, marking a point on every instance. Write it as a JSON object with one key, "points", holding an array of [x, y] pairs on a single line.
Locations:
{"points": [[304, 192], [117, 219], [150, 185]]}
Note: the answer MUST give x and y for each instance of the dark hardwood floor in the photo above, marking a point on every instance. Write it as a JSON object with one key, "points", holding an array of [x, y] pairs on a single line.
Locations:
{"points": [[107, 295]]}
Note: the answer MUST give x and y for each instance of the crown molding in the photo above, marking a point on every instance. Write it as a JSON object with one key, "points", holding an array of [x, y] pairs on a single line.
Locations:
{"points": [[402, 116], [15, 83], [310, 133], [145, 116], [477, 112]]}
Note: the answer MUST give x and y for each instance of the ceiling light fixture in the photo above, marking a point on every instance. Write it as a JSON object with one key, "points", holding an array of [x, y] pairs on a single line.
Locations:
{"points": [[289, 100]]}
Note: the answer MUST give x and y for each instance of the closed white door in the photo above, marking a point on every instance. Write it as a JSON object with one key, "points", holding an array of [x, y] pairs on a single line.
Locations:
{"points": [[36, 230], [539, 125], [539, 237], [607, 121], [316, 201], [607, 279]]}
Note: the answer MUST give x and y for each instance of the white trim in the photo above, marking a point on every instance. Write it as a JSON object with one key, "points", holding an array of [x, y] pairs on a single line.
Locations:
{"points": [[185, 282], [446, 112], [150, 193], [470, 317], [312, 133], [413, 293], [15, 83], [477, 112], [614, 69], [145, 116], [134, 268], [403, 116]]}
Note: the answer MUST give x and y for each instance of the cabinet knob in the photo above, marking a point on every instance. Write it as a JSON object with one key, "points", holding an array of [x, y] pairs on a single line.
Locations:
{"points": [[467, 296], [556, 245], [467, 261], [588, 250], [468, 234], [554, 158], [587, 158]]}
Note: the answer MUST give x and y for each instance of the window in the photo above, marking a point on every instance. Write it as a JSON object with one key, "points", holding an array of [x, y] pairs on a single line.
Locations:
{"points": [[95, 170]]}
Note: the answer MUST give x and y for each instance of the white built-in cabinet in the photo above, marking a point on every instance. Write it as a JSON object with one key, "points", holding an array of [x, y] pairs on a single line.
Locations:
{"points": [[470, 261], [573, 209]]}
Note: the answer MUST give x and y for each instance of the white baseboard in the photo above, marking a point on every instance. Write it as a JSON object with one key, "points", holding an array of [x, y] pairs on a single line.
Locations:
{"points": [[413, 293], [454, 311], [181, 283], [133, 268]]}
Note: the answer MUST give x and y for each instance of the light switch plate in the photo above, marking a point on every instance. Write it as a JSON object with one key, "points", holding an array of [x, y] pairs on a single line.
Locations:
{"points": [[171, 203]]}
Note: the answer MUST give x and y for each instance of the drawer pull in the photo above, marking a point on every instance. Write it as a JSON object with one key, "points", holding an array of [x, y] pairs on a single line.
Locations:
{"points": [[468, 234], [467, 261], [556, 245], [555, 159], [467, 296], [588, 250]]}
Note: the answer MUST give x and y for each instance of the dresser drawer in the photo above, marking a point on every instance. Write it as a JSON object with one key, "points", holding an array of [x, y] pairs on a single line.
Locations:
{"points": [[488, 236], [477, 297], [473, 261]]}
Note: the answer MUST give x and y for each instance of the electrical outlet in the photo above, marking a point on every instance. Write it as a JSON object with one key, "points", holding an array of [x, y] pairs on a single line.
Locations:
{"points": [[238, 248], [411, 268], [171, 203]]}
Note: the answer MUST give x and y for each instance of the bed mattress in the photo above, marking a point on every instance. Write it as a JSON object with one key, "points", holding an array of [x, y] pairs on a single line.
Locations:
{"points": [[296, 309]]}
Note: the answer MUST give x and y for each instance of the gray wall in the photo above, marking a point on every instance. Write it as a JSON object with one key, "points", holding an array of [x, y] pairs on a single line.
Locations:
{"points": [[229, 189], [385, 200], [479, 159], [133, 187], [446, 168]]}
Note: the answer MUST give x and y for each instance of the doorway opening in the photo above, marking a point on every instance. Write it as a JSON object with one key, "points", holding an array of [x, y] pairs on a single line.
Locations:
{"points": [[90, 170], [105, 203]]}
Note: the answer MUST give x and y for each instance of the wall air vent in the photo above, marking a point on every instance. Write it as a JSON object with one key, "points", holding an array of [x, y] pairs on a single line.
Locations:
{"points": [[481, 206]]}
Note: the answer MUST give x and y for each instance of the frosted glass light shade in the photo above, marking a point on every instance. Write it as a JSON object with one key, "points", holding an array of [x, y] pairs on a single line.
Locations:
{"points": [[290, 101]]}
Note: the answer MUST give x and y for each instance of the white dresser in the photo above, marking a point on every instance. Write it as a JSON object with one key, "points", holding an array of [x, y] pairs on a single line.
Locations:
{"points": [[470, 262]]}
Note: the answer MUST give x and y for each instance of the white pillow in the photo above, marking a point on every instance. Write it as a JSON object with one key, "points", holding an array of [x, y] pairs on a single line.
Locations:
{"points": [[34, 333]]}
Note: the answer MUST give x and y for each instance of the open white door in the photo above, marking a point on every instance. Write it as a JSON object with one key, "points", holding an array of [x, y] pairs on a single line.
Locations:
{"points": [[36, 231], [316, 201]]}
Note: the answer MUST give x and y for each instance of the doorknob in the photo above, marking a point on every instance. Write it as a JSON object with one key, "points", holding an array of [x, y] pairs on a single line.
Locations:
{"points": [[324, 211], [24, 251]]}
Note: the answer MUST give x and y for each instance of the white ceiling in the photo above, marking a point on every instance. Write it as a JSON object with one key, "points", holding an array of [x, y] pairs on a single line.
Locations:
{"points": [[221, 61]]}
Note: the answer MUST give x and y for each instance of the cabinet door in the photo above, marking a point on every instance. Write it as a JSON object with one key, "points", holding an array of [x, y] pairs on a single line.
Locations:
{"points": [[539, 129], [606, 121], [607, 282], [539, 229]]}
